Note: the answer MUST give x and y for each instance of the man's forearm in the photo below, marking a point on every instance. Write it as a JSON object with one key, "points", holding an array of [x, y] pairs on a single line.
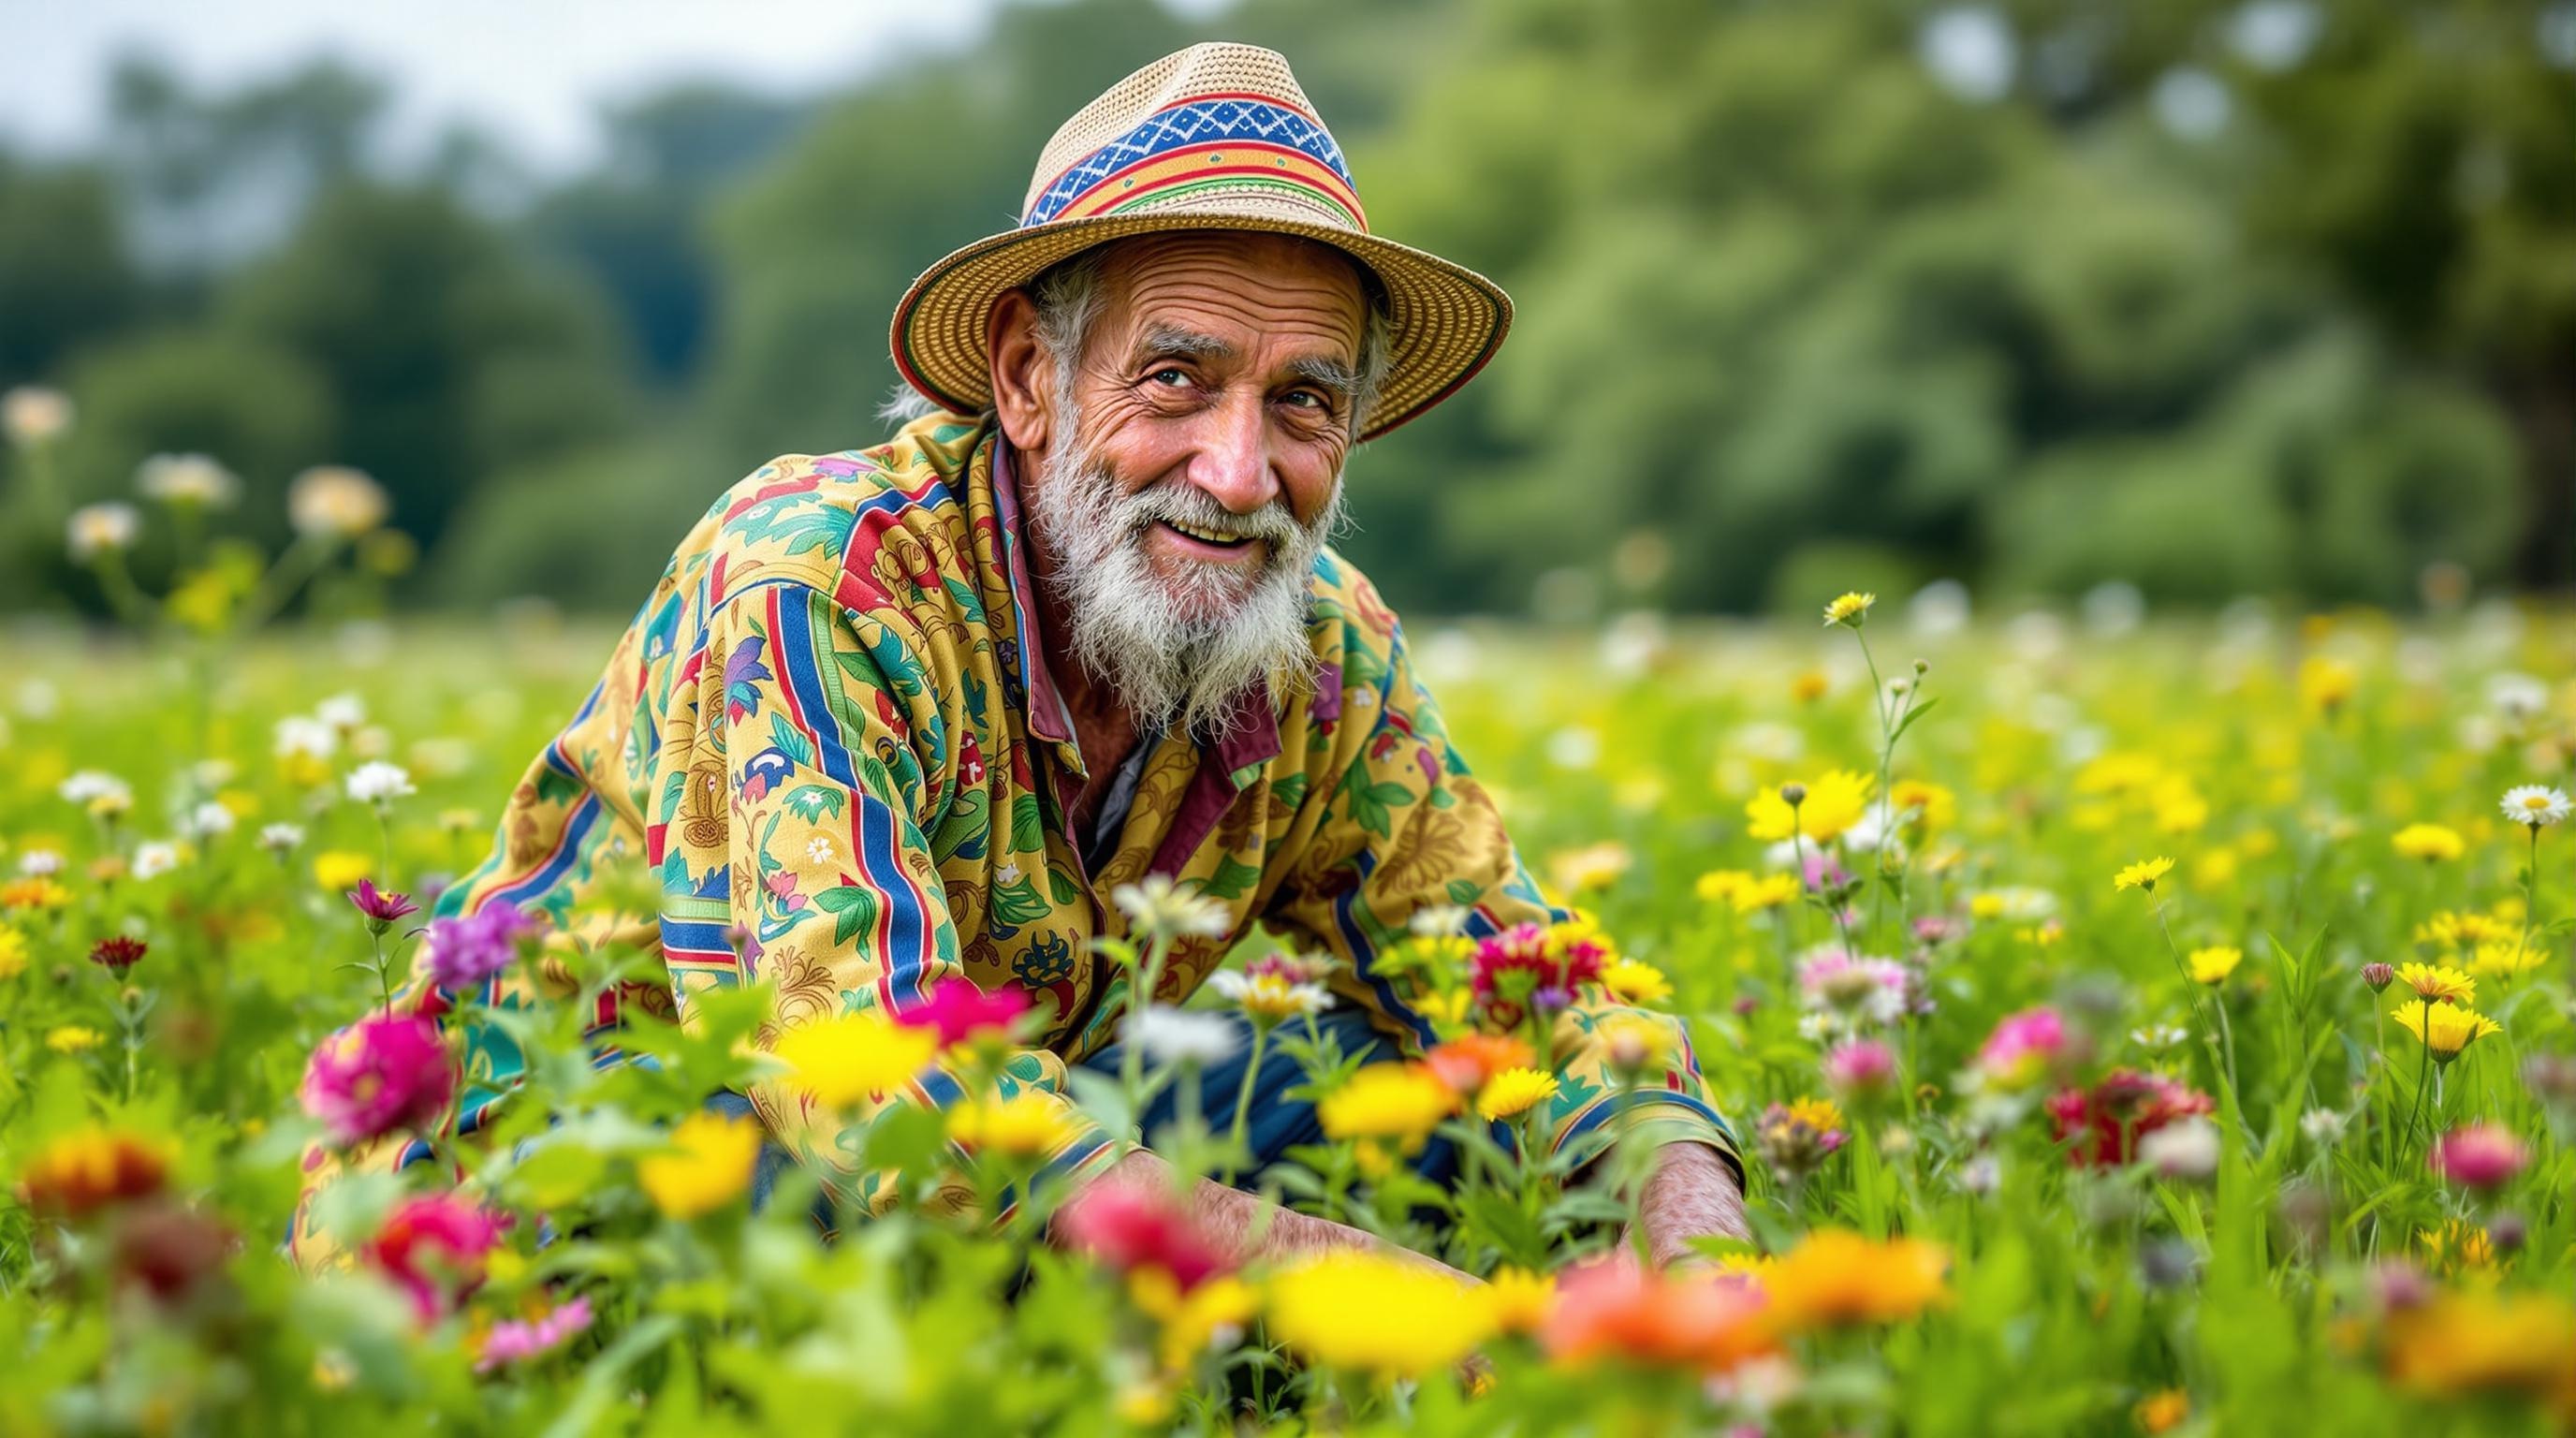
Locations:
{"points": [[1252, 1229], [1692, 1194]]}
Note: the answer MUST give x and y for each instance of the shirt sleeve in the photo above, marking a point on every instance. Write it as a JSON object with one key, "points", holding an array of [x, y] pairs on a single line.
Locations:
{"points": [[1404, 827], [815, 725]]}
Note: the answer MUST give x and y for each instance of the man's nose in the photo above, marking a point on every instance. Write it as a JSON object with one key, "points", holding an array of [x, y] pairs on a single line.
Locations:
{"points": [[1233, 459]]}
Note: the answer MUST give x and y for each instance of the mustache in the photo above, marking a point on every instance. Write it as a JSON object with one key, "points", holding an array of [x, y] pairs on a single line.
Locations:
{"points": [[1173, 502]]}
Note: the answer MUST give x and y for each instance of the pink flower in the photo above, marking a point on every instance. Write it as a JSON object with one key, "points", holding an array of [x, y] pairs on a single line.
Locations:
{"points": [[1863, 1068], [2482, 1155], [1857, 987], [963, 1011], [380, 1076], [511, 1341], [1523, 968], [1129, 1227], [2024, 1048], [380, 907], [432, 1247]]}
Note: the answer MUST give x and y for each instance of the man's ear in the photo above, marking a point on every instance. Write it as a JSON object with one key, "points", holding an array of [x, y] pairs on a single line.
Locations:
{"points": [[1023, 372]]}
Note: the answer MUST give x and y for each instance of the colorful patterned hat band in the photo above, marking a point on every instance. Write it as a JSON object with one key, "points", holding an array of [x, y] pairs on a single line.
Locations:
{"points": [[1215, 137]]}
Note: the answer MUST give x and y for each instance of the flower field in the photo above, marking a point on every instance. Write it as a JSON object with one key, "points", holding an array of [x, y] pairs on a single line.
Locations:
{"points": [[2130, 1028]]}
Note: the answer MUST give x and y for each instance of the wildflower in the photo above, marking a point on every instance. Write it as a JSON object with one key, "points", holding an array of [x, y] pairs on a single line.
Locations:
{"points": [[2187, 1151], [1797, 1138], [379, 1076], [96, 529], [1209, 1316], [91, 1169], [2457, 1244], [1155, 907], [278, 839], [1850, 609], [2481, 1155], [98, 792], [1835, 1278], [153, 859], [1854, 988], [1636, 982], [709, 1165], [1181, 1037], [1029, 1124], [209, 820], [40, 894], [379, 783], [1624, 1312], [333, 501], [2485, 1342], [2437, 983], [72, 1039], [1524, 967], [1633, 1045], [515, 1341], [1514, 1091], [2378, 975], [433, 1247], [1398, 1102], [1595, 866], [2323, 1125], [165, 1252], [2212, 965], [117, 953], [1809, 686], [1470, 1061], [2444, 1029], [341, 869], [187, 481], [380, 907], [2024, 1048], [2507, 960], [1822, 812], [2535, 805], [466, 952], [962, 1011], [1770, 891], [2143, 874], [1861, 1069], [1270, 998], [850, 1057], [2102, 1125], [2431, 843], [1377, 1315], [33, 415], [1519, 1299], [13, 953], [2326, 684], [1131, 1227], [2162, 1411]]}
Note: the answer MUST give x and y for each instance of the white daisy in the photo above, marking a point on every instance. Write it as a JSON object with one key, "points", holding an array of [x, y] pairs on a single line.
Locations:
{"points": [[379, 783], [1181, 1036], [40, 863], [89, 785], [301, 737], [2537, 805], [154, 859], [208, 820], [343, 712], [278, 838], [1155, 906]]}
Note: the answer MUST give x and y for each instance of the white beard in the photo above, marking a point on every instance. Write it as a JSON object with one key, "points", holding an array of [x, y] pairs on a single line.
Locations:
{"points": [[1174, 656]]}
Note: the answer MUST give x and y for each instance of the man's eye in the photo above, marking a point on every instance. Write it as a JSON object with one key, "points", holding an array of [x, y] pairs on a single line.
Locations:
{"points": [[1306, 398], [1168, 376]]}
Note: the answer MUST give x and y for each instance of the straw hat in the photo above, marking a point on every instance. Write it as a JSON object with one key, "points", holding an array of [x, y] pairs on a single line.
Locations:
{"points": [[1215, 137]]}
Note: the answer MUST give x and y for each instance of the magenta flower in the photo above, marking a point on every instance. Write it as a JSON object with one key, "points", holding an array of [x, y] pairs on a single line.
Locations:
{"points": [[432, 1247], [2024, 1048], [512, 1341], [466, 952], [962, 1011], [380, 907], [380, 1076], [2482, 1155], [1863, 1068]]}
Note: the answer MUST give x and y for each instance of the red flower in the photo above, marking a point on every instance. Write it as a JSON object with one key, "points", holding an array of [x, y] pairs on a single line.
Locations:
{"points": [[1129, 1227], [432, 1246], [2103, 1125], [962, 1011], [1525, 965], [117, 953]]}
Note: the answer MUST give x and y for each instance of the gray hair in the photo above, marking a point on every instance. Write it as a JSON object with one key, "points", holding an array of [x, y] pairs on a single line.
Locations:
{"points": [[1068, 300]]}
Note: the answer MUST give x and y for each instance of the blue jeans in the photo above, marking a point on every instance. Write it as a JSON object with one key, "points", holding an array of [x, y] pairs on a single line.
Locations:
{"points": [[1278, 1123]]}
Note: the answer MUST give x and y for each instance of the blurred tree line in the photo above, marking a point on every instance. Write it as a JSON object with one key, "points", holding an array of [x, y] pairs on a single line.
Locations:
{"points": [[2272, 297]]}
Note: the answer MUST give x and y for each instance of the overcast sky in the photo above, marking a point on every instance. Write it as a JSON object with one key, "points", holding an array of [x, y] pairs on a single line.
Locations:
{"points": [[532, 70]]}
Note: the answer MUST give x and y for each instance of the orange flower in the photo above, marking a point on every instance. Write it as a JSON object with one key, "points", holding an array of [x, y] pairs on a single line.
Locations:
{"points": [[1469, 1062], [82, 1172], [1617, 1310], [1835, 1277]]}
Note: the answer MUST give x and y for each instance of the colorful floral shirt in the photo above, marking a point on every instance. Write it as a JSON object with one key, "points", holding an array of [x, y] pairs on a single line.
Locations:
{"points": [[830, 741]]}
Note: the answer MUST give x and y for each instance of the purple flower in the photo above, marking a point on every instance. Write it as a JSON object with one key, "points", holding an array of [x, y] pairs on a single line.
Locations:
{"points": [[511, 1341], [464, 953], [381, 907]]}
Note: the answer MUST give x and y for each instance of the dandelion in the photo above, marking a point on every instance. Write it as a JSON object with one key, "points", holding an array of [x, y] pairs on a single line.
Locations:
{"points": [[2481, 1155], [1824, 811], [2431, 843], [2443, 1029], [2143, 874], [1376, 1315], [1850, 609], [1027, 1125], [1836, 1278], [1514, 1092], [187, 481], [335, 502], [850, 1057], [379, 1076], [2438, 983], [1771, 891], [1398, 1102], [73, 1039], [2535, 805], [708, 1165], [92, 1169], [97, 530], [2211, 966]]}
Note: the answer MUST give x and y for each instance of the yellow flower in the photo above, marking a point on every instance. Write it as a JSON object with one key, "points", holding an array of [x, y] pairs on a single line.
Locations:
{"points": [[1513, 1091], [2457, 1244], [2143, 874], [13, 952], [849, 1057], [710, 1168], [1768, 892], [1810, 686], [341, 869], [1595, 866], [1029, 1124], [2452, 931], [2164, 1411], [2325, 684], [1923, 803], [1821, 1114], [2212, 965], [1849, 609], [38, 893], [1834, 803], [1377, 1315], [1719, 886], [2430, 842], [2444, 1029], [1402, 1102], [2485, 1342], [72, 1039], [1193, 1322], [1835, 1277], [1636, 982], [2433, 981], [2507, 959]]}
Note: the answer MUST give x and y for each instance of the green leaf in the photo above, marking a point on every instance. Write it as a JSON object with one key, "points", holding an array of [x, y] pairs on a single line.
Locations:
{"points": [[1232, 880], [855, 907]]}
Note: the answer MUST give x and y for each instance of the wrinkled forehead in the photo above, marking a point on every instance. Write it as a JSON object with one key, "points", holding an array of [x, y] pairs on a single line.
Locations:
{"points": [[1274, 295]]}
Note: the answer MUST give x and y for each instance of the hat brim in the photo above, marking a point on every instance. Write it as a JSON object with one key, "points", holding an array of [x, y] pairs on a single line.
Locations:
{"points": [[1446, 321]]}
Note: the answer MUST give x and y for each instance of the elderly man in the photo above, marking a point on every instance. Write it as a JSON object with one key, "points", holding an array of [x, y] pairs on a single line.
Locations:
{"points": [[916, 712]]}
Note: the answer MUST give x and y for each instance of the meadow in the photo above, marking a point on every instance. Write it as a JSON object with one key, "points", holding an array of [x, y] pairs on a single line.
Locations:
{"points": [[2131, 1026]]}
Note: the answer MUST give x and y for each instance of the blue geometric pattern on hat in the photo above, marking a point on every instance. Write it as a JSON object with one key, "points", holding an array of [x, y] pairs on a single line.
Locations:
{"points": [[1196, 122]]}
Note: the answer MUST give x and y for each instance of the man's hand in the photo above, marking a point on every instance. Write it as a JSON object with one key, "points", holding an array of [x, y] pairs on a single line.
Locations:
{"points": [[1254, 1230], [1692, 1194]]}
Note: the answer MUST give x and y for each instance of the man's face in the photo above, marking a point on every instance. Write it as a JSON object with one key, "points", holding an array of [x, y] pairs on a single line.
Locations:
{"points": [[1199, 465]]}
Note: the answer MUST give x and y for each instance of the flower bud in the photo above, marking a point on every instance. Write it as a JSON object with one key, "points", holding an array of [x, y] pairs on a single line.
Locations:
{"points": [[1793, 794], [1922, 667], [2378, 976]]}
